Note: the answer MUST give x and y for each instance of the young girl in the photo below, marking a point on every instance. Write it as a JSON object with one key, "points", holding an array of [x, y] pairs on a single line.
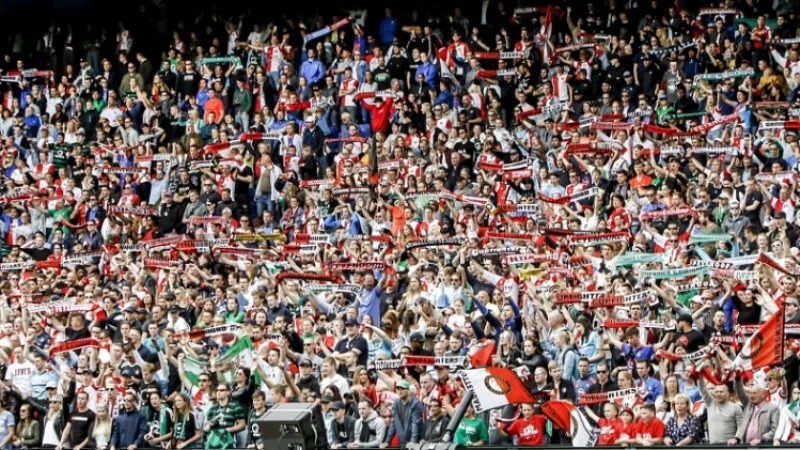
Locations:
{"points": [[627, 430], [101, 435], [610, 425], [186, 433]]}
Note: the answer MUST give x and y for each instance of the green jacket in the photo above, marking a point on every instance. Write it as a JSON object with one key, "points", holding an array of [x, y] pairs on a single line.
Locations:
{"points": [[243, 99]]}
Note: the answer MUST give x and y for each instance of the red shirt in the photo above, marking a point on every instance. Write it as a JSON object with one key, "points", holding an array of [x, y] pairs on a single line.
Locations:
{"points": [[652, 430], [610, 431], [529, 431], [629, 430]]}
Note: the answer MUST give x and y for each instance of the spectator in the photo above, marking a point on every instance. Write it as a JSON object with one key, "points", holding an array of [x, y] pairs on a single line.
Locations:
{"points": [[370, 430], [129, 427]]}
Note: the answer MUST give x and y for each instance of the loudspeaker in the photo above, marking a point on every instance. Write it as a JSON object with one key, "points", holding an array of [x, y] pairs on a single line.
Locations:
{"points": [[294, 426]]}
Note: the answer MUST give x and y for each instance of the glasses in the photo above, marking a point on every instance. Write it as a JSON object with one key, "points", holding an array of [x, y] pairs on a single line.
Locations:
{"points": [[602, 371]]}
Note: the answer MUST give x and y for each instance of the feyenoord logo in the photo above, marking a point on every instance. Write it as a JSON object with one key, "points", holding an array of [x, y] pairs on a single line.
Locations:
{"points": [[497, 385], [756, 344]]}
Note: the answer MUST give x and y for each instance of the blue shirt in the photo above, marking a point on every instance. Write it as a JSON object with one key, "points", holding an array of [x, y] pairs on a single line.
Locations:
{"points": [[633, 355], [369, 303], [39, 383], [6, 422], [653, 389]]}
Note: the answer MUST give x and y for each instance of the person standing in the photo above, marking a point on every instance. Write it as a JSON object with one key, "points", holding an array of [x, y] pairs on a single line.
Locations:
{"points": [[724, 416], [224, 419], [7, 426], [759, 416], [406, 417], [80, 422], [370, 430], [344, 426], [472, 430], [129, 427]]}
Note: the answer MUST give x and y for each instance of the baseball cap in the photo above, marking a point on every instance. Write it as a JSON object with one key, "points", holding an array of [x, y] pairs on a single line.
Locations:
{"points": [[734, 203], [685, 317], [305, 362], [311, 119], [127, 372], [327, 398], [174, 308], [337, 405], [417, 337], [402, 384], [627, 73], [697, 299], [51, 385]]}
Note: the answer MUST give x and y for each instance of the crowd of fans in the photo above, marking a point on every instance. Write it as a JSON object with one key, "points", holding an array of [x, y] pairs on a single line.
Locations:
{"points": [[601, 197]]}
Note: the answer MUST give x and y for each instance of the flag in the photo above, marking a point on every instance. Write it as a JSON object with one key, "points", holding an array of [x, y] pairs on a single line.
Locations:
{"points": [[570, 419], [765, 347], [445, 72], [481, 354], [788, 421], [193, 369], [545, 32], [240, 354], [494, 387]]}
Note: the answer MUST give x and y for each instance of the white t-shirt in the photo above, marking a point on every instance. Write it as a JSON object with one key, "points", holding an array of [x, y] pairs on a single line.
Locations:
{"points": [[19, 375]]}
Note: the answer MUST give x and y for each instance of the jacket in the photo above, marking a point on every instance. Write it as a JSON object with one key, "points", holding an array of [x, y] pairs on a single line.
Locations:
{"points": [[406, 421], [128, 429], [380, 115], [767, 421], [370, 432], [344, 433]]}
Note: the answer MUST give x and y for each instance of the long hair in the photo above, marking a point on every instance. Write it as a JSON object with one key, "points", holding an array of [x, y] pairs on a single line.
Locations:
{"points": [[186, 410]]}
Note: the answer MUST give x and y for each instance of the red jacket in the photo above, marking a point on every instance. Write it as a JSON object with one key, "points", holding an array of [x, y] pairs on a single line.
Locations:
{"points": [[380, 115]]}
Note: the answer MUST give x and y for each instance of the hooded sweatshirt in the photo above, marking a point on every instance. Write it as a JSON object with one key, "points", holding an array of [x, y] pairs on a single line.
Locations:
{"points": [[371, 431]]}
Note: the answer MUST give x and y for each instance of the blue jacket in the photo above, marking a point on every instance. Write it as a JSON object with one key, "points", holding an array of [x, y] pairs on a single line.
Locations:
{"points": [[408, 427], [388, 29], [312, 71], [428, 69], [353, 228], [128, 429]]}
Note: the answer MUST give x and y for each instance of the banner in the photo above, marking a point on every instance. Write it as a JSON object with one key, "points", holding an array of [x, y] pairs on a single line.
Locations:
{"points": [[590, 240], [434, 243], [668, 274], [69, 346], [494, 387], [231, 328], [257, 237], [631, 258], [317, 288], [603, 397], [702, 238], [357, 266]]}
